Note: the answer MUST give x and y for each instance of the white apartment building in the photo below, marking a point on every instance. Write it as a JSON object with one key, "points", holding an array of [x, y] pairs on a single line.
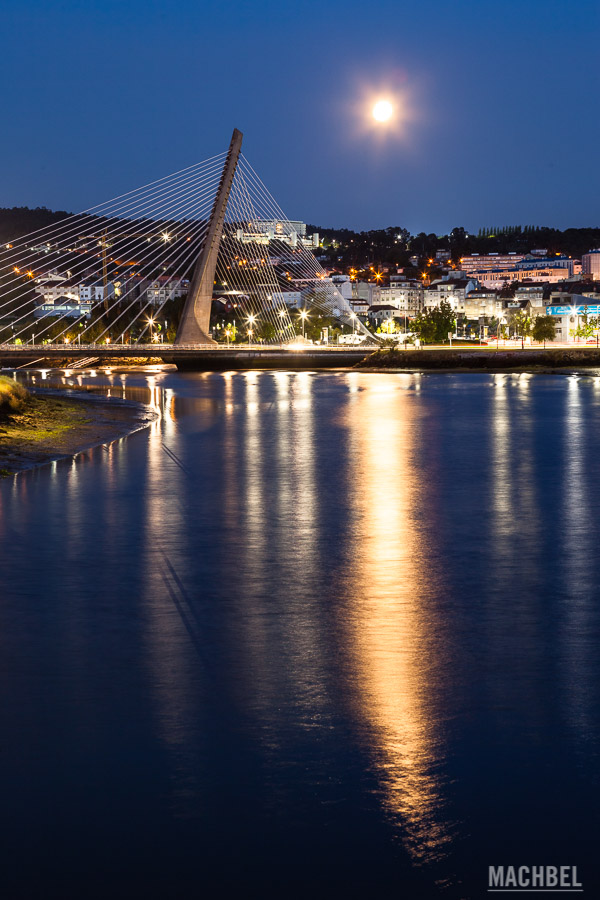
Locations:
{"points": [[166, 288], [452, 290], [480, 303], [343, 285], [360, 307], [94, 292], [405, 296], [534, 294], [382, 312]]}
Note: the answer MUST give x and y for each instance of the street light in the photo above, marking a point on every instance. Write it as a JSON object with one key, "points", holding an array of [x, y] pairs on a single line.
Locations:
{"points": [[151, 323], [304, 317]]}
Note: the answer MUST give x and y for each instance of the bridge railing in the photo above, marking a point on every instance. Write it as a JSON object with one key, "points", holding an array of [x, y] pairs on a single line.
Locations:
{"points": [[155, 349]]}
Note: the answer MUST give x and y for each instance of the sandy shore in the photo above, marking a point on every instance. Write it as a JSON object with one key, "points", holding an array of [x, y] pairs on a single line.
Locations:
{"points": [[59, 424]]}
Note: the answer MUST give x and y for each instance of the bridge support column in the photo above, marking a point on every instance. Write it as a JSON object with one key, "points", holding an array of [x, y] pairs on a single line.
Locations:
{"points": [[195, 318]]}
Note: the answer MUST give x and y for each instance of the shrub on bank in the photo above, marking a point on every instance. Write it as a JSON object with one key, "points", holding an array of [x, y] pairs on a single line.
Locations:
{"points": [[13, 396]]}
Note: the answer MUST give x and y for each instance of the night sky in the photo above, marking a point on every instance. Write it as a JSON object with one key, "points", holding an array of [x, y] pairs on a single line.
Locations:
{"points": [[497, 105]]}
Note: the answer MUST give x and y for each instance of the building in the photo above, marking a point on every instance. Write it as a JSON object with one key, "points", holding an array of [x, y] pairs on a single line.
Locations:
{"points": [[449, 289], [365, 290], [534, 294], [383, 312], [164, 288], [65, 307], [54, 287], [292, 299], [482, 303], [93, 291], [496, 279], [530, 263], [359, 307], [569, 316], [477, 264], [590, 265], [407, 296], [343, 284], [263, 231]]}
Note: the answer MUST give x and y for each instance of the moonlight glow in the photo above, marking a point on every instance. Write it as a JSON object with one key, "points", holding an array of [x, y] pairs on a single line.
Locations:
{"points": [[382, 111]]}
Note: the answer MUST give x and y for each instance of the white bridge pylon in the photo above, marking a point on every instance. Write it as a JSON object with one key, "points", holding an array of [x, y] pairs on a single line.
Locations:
{"points": [[111, 271]]}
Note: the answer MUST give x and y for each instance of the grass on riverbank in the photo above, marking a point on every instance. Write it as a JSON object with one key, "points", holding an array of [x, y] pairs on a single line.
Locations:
{"points": [[31, 427], [13, 396]]}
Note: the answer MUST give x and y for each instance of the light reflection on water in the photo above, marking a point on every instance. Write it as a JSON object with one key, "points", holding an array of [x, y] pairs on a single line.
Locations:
{"points": [[398, 647], [346, 613]]}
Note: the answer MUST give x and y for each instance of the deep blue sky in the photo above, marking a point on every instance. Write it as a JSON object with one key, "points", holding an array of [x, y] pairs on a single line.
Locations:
{"points": [[501, 123]]}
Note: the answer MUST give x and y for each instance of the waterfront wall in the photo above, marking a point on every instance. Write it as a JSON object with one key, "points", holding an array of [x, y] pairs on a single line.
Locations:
{"points": [[571, 357]]}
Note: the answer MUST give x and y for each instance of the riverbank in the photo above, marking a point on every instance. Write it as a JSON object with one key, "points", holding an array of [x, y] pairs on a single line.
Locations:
{"points": [[478, 359], [56, 425]]}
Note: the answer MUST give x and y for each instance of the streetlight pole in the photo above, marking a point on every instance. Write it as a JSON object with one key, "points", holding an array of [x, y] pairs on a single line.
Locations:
{"points": [[251, 321], [303, 316]]}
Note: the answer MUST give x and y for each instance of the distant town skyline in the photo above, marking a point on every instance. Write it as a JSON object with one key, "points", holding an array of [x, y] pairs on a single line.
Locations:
{"points": [[492, 108]]}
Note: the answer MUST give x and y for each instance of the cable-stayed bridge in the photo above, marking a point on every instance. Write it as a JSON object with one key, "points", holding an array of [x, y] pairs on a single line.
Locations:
{"points": [[144, 268]]}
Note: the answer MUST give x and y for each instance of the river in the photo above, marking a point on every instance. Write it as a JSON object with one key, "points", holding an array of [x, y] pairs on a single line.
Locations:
{"points": [[326, 634]]}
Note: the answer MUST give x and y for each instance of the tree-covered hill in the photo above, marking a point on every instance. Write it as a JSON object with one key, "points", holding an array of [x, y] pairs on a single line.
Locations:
{"points": [[20, 220]]}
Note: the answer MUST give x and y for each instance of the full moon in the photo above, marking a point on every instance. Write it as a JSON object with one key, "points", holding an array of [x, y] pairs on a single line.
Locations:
{"points": [[382, 111]]}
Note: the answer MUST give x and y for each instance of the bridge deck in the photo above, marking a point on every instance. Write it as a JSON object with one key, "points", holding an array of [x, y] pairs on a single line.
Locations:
{"points": [[209, 357]]}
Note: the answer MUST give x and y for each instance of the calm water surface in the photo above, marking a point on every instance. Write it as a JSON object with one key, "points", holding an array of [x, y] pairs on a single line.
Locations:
{"points": [[310, 634]]}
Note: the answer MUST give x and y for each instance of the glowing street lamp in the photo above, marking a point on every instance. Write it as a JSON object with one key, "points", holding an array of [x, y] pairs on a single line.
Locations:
{"points": [[304, 317], [151, 323]]}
